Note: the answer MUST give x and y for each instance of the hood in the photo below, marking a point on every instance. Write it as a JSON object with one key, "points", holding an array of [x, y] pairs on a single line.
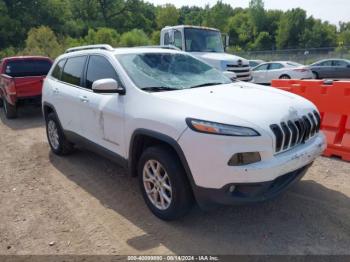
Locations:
{"points": [[240, 103], [220, 58]]}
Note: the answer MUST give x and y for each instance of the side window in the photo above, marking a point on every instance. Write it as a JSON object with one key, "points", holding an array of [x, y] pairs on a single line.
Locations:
{"points": [[177, 39], [339, 63], [73, 70], [326, 63], [275, 66], [166, 39], [57, 71], [261, 67], [99, 68]]}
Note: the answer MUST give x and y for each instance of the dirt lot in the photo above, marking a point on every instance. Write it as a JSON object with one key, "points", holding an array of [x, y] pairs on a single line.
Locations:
{"points": [[84, 204]]}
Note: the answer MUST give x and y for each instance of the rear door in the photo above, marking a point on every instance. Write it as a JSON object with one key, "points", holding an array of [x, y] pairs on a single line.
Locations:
{"points": [[102, 115], [66, 93]]}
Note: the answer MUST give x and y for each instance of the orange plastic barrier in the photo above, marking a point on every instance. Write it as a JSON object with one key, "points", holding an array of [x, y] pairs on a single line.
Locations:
{"points": [[333, 102]]}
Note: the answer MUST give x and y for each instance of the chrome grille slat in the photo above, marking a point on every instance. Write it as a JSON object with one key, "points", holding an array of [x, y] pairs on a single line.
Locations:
{"points": [[291, 133]]}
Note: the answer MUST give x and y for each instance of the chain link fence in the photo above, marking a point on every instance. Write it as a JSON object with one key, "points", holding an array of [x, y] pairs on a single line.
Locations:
{"points": [[303, 56]]}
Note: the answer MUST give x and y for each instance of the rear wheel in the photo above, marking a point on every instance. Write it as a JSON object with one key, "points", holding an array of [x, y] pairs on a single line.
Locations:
{"points": [[284, 77], [164, 184], [57, 140], [10, 110]]}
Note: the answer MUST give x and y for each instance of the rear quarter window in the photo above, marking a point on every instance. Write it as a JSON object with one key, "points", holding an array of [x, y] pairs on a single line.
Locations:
{"points": [[57, 71], [27, 67]]}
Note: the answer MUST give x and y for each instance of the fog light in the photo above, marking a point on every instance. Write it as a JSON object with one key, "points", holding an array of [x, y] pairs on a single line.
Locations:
{"points": [[232, 188], [240, 159]]}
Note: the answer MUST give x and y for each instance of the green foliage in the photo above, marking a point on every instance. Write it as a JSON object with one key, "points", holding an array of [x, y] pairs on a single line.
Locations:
{"points": [[10, 51], [102, 35], [291, 28], [135, 37], [218, 15], [136, 22], [42, 41], [155, 38], [167, 15], [263, 41]]}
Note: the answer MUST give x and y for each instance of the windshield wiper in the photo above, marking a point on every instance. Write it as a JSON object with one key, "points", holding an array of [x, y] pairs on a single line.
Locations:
{"points": [[208, 84], [158, 88]]}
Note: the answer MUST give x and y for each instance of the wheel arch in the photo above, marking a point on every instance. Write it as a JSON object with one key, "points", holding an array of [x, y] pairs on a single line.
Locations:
{"points": [[49, 108], [284, 74], [143, 138]]}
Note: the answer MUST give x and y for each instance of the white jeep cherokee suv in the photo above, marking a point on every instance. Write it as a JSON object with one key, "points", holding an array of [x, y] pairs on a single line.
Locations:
{"points": [[180, 125]]}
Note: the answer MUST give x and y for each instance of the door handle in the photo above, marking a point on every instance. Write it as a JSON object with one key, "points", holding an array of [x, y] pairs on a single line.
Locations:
{"points": [[84, 99]]}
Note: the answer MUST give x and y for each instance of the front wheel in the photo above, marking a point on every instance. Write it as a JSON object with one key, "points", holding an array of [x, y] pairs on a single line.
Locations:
{"points": [[164, 184], [57, 140]]}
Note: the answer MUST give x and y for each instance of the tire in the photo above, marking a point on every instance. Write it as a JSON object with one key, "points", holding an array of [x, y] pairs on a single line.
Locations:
{"points": [[10, 110], [56, 138], [1, 102], [284, 77], [315, 75], [173, 173]]}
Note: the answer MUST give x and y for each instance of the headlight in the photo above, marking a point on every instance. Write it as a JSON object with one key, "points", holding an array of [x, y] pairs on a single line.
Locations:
{"points": [[219, 129]]}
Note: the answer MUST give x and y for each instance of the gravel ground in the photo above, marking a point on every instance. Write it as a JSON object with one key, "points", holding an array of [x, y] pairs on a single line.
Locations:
{"points": [[84, 204]]}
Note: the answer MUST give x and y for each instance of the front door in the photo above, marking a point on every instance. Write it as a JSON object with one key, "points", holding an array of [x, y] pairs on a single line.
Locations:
{"points": [[102, 115]]}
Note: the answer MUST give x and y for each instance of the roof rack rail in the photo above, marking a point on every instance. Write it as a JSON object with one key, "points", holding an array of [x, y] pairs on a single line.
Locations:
{"points": [[160, 46], [88, 47]]}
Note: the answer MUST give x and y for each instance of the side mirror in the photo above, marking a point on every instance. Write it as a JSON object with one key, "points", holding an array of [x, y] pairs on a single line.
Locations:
{"points": [[107, 86], [231, 75]]}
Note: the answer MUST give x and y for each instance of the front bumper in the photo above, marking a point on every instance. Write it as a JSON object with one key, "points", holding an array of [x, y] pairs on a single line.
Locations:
{"points": [[207, 156], [247, 193]]}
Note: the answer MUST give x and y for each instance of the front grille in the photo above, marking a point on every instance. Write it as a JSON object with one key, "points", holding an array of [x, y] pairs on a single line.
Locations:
{"points": [[242, 71], [235, 66], [292, 133]]}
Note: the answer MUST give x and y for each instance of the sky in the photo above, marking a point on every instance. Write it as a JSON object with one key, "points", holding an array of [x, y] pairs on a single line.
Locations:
{"points": [[327, 10]]}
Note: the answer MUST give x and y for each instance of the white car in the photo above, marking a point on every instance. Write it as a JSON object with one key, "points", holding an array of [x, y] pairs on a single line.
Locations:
{"points": [[180, 125], [266, 72]]}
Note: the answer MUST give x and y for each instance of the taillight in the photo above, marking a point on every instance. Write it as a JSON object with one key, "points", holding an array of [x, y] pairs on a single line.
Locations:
{"points": [[11, 88], [301, 69]]}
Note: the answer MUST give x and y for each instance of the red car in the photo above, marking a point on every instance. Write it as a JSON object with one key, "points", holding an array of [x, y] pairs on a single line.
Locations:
{"points": [[21, 80]]}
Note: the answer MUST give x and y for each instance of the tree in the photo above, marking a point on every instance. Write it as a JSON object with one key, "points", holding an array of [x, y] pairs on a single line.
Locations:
{"points": [[318, 34], [191, 15], [8, 37], [135, 37], [102, 35], [257, 15], [263, 42], [291, 28], [241, 30], [167, 15], [42, 41], [218, 15]]}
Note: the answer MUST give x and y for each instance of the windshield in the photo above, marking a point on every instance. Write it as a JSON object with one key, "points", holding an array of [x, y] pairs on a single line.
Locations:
{"points": [[169, 71], [203, 40]]}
